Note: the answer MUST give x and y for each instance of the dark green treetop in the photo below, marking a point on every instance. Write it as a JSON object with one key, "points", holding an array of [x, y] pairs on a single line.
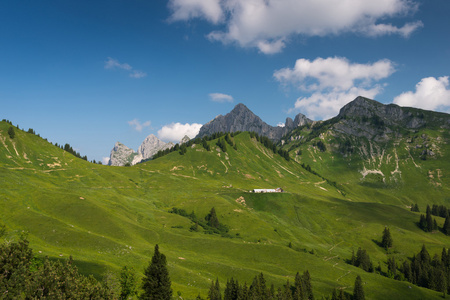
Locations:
{"points": [[156, 282]]}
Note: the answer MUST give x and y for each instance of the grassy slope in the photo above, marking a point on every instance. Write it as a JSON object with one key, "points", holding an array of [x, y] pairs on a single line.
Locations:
{"points": [[108, 217]]}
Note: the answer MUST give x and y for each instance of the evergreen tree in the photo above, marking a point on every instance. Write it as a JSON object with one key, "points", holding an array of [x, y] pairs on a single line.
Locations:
{"points": [[306, 278], [363, 260], [429, 220], [156, 282], [212, 219], [423, 223], [214, 291], [392, 267], [358, 291], [386, 241], [446, 227], [11, 132], [128, 282]]}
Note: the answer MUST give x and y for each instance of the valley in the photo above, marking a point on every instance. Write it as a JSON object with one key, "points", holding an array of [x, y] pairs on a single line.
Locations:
{"points": [[346, 179]]}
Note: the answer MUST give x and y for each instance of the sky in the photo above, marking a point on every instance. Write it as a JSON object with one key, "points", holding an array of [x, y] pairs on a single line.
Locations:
{"points": [[91, 73]]}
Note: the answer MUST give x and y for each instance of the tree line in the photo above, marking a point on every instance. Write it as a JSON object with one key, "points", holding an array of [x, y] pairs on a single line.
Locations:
{"points": [[260, 289], [66, 147], [266, 142], [428, 224]]}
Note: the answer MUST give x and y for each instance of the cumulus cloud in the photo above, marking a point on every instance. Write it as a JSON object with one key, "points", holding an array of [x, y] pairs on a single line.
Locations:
{"points": [[138, 126], [176, 131], [332, 82], [221, 98], [322, 106], [183, 10], [430, 94], [105, 160], [114, 64], [267, 24]]}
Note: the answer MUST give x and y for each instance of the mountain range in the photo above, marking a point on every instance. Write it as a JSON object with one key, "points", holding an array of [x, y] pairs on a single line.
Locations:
{"points": [[243, 119], [122, 155], [345, 180]]}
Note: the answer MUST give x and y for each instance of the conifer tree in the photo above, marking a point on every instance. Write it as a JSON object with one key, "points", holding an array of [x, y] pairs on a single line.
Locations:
{"points": [[156, 282], [446, 228], [429, 220], [212, 219], [214, 291], [128, 282], [358, 291], [307, 285], [386, 241], [11, 132], [392, 267]]}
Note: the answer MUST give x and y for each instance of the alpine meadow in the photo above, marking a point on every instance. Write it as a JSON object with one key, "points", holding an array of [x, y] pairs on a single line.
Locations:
{"points": [[339, 201]]}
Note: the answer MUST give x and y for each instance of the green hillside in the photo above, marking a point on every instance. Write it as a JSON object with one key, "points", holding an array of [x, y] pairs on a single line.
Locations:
{"points": [[107, 217]]}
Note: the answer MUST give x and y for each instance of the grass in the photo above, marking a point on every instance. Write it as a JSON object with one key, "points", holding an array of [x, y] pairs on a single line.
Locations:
{"points": [[107, 217]]}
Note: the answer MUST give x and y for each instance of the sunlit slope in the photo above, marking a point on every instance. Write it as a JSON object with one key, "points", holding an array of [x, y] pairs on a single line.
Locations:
{"points": [[108, 217], [408, 168]]}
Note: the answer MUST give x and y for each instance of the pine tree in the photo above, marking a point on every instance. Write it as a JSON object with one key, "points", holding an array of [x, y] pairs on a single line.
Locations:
{"points": [[392, 267], [386, 241], [358, 291], [307, 285], [446, 228], [212, 219], [214, 291], [156, 282], [128, 282], [11, 132], [429, 220]]}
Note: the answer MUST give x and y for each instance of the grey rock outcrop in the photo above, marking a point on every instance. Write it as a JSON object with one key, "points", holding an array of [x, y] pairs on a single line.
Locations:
{"points": [[373, 120], [122, 155], [243, 119]]}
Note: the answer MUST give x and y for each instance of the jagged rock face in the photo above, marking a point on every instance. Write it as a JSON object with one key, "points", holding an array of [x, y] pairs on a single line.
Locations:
{"points": [[301, 120], [121, 155], [151, 145], [368, 118], [243, 119]]}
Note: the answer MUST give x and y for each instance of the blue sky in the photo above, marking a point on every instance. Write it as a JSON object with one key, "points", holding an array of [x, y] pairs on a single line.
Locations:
{"points": [[90, 73]]}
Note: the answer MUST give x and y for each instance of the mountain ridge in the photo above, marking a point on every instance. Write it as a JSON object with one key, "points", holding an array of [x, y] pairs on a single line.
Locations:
{"points": [[241, 118], [336, 200]]}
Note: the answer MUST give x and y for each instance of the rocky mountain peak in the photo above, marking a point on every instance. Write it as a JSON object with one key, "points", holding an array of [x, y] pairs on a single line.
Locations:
{"points": [[122, 155], [241, 118]]}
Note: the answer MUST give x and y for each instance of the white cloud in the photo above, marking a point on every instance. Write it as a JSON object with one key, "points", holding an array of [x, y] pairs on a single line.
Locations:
{"points": [[176, 131], [113, 64], [105, 160], [221, 98], [267, 24], [281, 124], [322, 106], [430, 94], [184, 10], [388, 29], [332, 82], [138, 126], [333, 72]]}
